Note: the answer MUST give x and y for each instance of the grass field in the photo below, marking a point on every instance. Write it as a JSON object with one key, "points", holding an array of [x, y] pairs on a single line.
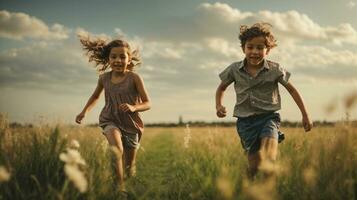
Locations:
{"points": [[177, 163]]}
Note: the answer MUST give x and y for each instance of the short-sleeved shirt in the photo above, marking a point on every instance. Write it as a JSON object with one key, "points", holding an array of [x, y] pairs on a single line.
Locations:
{"points": [[255, 95], [116, 94]]}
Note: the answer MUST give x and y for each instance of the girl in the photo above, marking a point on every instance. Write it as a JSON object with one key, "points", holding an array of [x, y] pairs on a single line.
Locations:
{"points": [[257, 96], [125, 96]]}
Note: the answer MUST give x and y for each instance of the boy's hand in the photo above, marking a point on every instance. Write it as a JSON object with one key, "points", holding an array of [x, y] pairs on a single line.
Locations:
{"points": [[80, 117], [127, 107], [221, 111], [307, 123]]}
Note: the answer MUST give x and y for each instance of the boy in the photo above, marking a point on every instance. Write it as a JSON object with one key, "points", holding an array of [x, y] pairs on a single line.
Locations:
{"points": [[257, 96]]}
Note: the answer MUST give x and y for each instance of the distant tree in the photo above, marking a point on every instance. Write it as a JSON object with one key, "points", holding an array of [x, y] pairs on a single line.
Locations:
{"points": [[180, 122]]}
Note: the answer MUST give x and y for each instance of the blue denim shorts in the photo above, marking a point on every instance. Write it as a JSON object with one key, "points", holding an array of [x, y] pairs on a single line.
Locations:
{"points": [[253, 128]]}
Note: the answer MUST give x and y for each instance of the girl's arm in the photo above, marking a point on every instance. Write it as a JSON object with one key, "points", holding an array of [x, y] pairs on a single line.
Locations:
{"points": [[145, 100], [220, 109], [307, 123], [91, 102]]}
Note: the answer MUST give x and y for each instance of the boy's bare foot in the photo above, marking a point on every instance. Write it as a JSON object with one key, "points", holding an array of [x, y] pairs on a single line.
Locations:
{"points": [[122, 188], [123, 195]]}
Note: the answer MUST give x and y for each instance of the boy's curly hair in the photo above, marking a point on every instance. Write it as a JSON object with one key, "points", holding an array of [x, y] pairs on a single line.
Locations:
{"points": [[257, 30], [98, 51]]}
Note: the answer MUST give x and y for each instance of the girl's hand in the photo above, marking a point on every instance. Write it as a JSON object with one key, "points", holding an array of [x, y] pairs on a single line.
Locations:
{"points": [[127, 107], [307, 123], [221, 111], [79, 118]]}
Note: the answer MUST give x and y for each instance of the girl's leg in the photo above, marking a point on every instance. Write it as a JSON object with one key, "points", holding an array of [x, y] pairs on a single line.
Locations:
{"points": [[130, 158], [114, 138]]}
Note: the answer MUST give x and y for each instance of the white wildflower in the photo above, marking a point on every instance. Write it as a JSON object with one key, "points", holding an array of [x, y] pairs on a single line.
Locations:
{"points": [[4, 174], [351, 4], [187, 137], [77, 177], [72, 157], [74, 144], [73, 160]]}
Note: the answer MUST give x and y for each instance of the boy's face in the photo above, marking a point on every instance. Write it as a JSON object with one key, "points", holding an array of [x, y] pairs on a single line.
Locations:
{"points": [[255, 51], [119, 59]]}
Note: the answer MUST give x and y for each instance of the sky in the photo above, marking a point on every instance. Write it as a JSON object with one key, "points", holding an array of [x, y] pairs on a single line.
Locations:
{"points": [[45, 75]]}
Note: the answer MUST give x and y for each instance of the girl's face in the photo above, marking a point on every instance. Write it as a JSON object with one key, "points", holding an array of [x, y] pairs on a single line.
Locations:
{"points": [[119, 59], [255, 51]]}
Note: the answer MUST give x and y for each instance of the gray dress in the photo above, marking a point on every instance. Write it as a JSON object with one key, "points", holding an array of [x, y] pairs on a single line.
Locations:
{"points": [[116, 94]]}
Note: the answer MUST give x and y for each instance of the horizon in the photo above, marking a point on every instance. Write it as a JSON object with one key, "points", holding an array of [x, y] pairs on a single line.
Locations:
{"points": [[44, 121]]}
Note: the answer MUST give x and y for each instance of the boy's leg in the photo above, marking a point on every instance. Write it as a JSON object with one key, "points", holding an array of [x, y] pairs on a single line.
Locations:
{"points": [[268, 152], [114, 138], [266, 155], [269, 148], [254, 160]]}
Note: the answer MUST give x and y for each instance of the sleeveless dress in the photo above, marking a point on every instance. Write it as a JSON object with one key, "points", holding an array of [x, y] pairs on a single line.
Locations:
{"points": [[116, 94]]}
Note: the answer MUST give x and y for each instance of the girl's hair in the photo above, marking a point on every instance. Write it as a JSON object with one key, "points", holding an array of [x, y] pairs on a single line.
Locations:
{"points": [[257, 30], [98, 51]]}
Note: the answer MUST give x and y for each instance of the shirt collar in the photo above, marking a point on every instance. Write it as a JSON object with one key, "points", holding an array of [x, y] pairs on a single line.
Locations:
{"points": [[265, 64]]}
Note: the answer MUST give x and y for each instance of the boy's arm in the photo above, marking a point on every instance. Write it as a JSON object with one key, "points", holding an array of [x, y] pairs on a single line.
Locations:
{"points": [[307, 123], [220, 109]]}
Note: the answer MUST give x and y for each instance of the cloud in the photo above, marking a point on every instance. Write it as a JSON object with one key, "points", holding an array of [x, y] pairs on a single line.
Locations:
{"points": [[219, 20], [222, 12], [81, 32], [164, 50], [17, 26], [290, 24], [224, 47], [320, 63], [51, 67]]}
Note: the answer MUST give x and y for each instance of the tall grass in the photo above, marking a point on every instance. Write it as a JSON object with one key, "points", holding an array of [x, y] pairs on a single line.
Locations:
{"points": [[180, 163]]}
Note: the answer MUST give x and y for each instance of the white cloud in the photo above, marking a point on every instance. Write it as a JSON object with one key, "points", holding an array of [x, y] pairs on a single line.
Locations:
{"points": [[165, 50], [223, 12], [291, 24], [17, 26], [52, 67], [224, 47], [219, 20], [81, 32]]}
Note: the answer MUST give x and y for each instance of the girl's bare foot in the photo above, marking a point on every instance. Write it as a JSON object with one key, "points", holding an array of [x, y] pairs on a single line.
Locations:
{"points": [[130, 171]]}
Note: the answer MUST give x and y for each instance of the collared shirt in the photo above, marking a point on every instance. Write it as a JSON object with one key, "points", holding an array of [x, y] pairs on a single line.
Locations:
{"points": [[259, 94]]}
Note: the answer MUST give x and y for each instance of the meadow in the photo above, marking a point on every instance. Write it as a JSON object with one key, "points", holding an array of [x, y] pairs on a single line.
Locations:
{"points": [[73, 162]]}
